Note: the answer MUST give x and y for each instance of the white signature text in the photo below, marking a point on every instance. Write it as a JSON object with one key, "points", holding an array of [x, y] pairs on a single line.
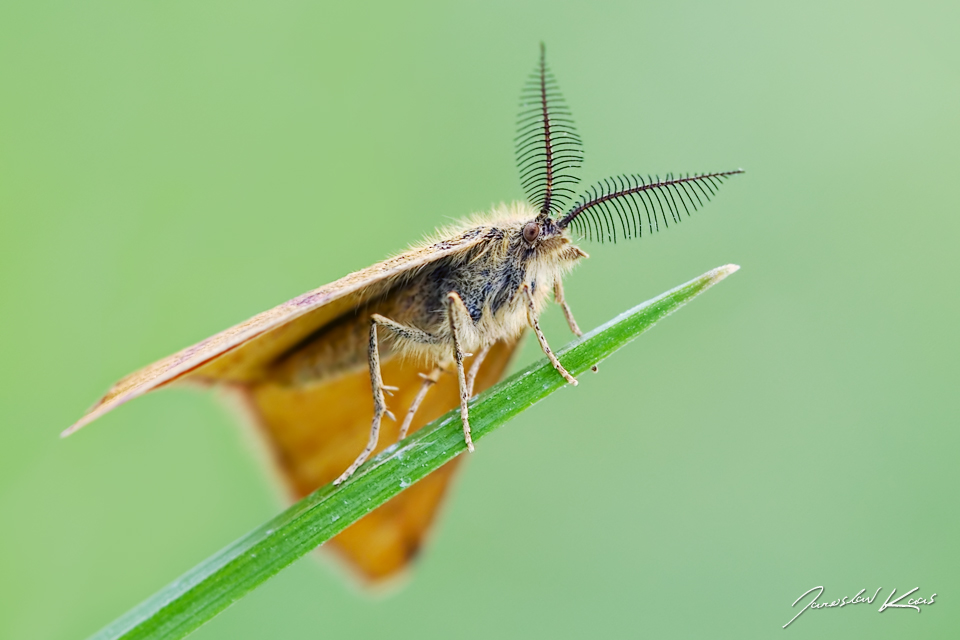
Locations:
{"points": [[890, 603]]}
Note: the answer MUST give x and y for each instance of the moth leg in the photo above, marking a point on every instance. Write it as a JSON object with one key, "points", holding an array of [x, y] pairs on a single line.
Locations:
{"points": [[475, 368], [458, 314], [429, 379], [568, 313], [532, 319], [376, 382]]}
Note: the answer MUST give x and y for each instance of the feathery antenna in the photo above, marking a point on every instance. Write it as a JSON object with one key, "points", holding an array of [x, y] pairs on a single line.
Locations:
{"points": [[548, 147], [616, 202]]}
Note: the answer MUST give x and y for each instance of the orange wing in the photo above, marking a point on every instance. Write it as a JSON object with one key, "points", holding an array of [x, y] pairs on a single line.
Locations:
{"points": [[237, 354], [315, 432]]}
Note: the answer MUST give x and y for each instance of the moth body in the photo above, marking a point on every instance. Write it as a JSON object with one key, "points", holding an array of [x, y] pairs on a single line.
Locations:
{"points": [[421, 331], [487, 276]]}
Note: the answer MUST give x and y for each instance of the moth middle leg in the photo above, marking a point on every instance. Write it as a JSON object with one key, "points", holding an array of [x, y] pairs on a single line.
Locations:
{"points": [[376, 381], [430, 379], [458, 316], [475, 368]]}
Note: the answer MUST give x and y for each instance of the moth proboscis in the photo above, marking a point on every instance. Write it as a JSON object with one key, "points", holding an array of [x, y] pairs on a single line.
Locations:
{"points": [[422, 331]]}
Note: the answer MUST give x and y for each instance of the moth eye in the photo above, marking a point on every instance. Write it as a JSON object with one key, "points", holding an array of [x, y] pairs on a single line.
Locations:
{"points": [[531, 231]]}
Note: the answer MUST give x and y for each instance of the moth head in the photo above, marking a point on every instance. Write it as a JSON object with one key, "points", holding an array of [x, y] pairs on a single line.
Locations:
{"points": [[542, 238]]}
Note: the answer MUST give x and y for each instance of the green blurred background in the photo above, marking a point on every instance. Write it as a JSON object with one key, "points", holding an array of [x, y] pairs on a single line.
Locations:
{"points": [[169, 169]]}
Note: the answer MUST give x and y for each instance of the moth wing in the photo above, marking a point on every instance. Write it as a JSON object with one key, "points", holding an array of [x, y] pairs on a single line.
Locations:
{"points": [[315, 432], [239, 353]]}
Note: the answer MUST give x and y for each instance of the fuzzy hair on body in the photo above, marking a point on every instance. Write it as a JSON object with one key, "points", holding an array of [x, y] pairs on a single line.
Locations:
{"points": [[488, 276]]}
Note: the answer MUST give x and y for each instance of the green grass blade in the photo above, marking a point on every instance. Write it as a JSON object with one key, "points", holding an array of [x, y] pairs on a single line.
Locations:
{"points": [[221, 580]]}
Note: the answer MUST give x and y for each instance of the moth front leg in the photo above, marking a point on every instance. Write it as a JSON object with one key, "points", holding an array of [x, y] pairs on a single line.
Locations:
{"points": [[568, 313], [532, 319], [458, 315], [376, 382]]}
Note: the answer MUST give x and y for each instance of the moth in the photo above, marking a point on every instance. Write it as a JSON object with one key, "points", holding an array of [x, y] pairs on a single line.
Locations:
{"points": [[423, 331]]}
